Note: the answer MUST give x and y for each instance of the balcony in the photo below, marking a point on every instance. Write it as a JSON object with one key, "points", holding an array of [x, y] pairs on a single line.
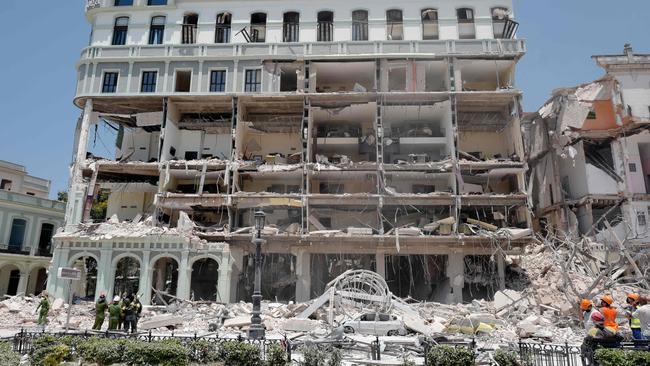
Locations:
{"points": [[11, 249], [316, 50], [32, 201]]}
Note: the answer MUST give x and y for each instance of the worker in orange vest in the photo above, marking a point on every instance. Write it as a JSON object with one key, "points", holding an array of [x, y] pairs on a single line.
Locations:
{"points": [[587, 308], [609, 312]]}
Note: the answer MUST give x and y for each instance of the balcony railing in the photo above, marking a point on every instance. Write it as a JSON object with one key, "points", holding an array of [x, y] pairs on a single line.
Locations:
{"points": [[31, 200], [13, 249], [310, 50]]}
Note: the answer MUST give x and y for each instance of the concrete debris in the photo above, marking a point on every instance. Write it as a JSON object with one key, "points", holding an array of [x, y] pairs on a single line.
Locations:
{"points": [[160, 321]]}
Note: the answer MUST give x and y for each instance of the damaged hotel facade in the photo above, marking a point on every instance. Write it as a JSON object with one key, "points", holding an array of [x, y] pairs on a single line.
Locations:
{"points": [[372, 136]]}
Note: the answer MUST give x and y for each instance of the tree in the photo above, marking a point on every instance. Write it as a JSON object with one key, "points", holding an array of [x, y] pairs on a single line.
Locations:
{"points": [[62, 196]]}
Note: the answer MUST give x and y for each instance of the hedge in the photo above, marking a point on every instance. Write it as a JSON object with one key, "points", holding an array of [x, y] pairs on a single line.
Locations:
{"points": [[450, 356], [619, 357]]}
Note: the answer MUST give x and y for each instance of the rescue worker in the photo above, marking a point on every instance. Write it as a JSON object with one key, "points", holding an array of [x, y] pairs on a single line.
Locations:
{"points": [[587, 308], [100, 311], [120, 324], [138, 312], [114, 312], [44, 307], [643, 314], [632, 301], [129, 310], [609, 312], [596, 336]]}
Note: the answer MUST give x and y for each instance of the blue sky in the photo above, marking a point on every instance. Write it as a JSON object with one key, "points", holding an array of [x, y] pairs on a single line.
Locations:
{"points": [[42, 40]]}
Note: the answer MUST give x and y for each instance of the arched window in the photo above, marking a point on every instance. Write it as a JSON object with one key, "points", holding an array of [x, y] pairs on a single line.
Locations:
{"points": [[394, 25], [291, 27], [190, 25], [430, 24], [17, 235], [258, 27], [157, 30], [325, 26], [120, 30], [500, 17], [222, 31], [466, 29], [360, 25]]}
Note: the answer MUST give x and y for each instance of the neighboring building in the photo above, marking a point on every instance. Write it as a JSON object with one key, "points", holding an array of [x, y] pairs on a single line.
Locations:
{"points": [[589, 154], [371, 134], [28, 220]]}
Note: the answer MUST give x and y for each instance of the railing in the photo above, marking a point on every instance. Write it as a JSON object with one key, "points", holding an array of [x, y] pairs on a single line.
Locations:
{"points": [[325, 31], [291, 32], [14, 249], [312, 49], [31, 200]]}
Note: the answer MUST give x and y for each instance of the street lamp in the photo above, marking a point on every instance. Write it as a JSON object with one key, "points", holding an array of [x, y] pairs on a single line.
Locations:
{"points": [[256, 330]]}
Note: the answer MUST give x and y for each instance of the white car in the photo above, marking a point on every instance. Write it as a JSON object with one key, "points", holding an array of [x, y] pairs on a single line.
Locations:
{"points": [[375, 324]]}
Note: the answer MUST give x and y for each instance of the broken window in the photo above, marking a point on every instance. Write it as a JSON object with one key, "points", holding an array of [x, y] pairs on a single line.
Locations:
{"points": [[120, 30], [205, 280], [421, 277], [157, 30], [291, 27], [164, 281], [5, 184], [278, 280], [45, 239], [326, 267], [127, 276], [640, 218], [632, 167], [189, 28], [325, 26], [481, 278], [394, 25], [222, 30], [253, 81], [17, 234], [360, 25], [289, 77], [466, 29], [218, 81], [183, 81], [123, 2], [499, 18], [258, 27], [430, 24], [591, 114], [156, 2], [149, 79], [110, 82]]}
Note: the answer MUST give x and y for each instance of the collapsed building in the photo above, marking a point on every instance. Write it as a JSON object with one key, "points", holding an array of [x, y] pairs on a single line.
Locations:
{"points": [[588, 151], [387, 140]]}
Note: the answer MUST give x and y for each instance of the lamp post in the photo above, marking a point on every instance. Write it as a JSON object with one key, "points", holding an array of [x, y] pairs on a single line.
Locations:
{"points": [[256, 330]]}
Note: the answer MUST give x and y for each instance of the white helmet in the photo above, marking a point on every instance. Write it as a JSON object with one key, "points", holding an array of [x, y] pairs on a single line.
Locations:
{"points": [[116, 298]]}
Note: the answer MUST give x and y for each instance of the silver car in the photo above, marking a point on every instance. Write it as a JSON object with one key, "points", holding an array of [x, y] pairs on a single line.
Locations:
{"points": [[375, 324]]}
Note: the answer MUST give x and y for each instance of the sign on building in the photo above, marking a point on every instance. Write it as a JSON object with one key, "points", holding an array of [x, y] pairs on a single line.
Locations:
{"points": [[69, 273]]}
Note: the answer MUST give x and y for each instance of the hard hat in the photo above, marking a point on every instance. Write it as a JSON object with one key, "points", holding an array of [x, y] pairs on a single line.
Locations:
{"points": [[585, 304], [608, 299], [116, 299], [597, 316], [634, 297], [102, 295]]}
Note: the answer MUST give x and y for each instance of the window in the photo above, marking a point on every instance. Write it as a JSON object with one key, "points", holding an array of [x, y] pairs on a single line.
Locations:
{"points": [[183, 81], [190, 23], [466, 28], [499, 18], [258, 27], [157, 30], [359, 25], [156, 2], [394, 25], [430, 24], [110, 82], [17, 235], [120, 30], [325, 26], [222, 31], [640, 218], [123, 2], [591, 114], [632, 168], [218, 81], [44, 241], [253, 81], [291, 27], [5, 184], [149, 79]]}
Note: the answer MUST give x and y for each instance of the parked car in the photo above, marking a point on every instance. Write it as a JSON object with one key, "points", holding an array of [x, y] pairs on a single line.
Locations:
{"points": [[375, 324]]}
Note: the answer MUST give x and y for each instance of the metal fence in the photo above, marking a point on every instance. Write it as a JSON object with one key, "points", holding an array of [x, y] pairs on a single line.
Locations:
{"points": [[545, 354]]}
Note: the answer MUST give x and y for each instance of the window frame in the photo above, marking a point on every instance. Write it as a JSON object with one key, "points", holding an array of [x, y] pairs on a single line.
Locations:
{"points": [[223, 26], [460, 22], [641, 216], [291, 35], [359, 26], [155, 84], [118, 2], [157, 27], [191, 71], [149, 3], [193, 27], [121, 31], [259, 71], [11, 246], [329, 32], [258, 26], [117, 81], [435, 22], [225, 79], [391, 25], [496, 21]]}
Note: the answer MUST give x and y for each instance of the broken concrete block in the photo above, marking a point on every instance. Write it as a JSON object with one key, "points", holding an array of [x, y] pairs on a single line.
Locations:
{"points": [[237, 322], [503, 299], [359, 231], [58, 304], [160, 321], [300, 325]]}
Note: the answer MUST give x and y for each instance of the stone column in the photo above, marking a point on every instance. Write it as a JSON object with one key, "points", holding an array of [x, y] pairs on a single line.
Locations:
{"points": [[56, 286], [380, 259], [223, 284], [105, 275], [303, 272], [184, 276], [76, 199], [501, 269], [144, 287], [236, 266], [456, 274], [22, 283]]}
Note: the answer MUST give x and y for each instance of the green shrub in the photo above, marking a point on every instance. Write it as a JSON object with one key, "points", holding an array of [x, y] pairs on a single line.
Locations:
{"points": [[277, 356], [314, 356], [165, 353], [450, 356], [202, 351], [52, 355], [407, 360], [101, 351], [335, 358], [618, 357], [235, 353], [506, 358], [8, 356]]}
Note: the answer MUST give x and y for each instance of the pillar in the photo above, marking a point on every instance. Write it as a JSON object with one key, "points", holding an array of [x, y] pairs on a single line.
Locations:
{"points": [[56, 286], [105, 275], [380, 261], [223, 284], [22, 282], [236, 266], [501, 269], [76, 196], [456, 274], [303, 273], [184, 276], [144, 286]]}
